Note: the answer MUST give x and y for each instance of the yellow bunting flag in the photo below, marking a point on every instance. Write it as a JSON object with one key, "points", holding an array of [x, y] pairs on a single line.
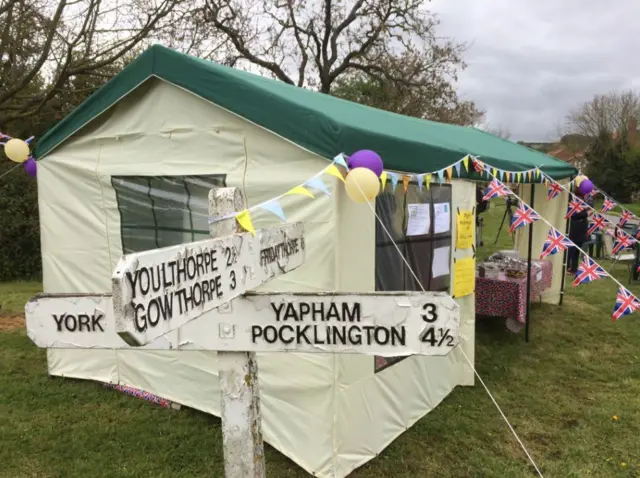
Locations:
{"points": [[405, 182], [427, 180], [244, 220], [494, 172], [465, 161], [518, 177], [508, 176], [529, 176], [383, 179], [300, 190], [449, 171], [334, 171], [537, 173]]}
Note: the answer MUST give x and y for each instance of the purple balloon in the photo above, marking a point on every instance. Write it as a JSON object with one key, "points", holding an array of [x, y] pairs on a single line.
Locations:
{"points": [[31, 167], [366, 159], [585, 187]]}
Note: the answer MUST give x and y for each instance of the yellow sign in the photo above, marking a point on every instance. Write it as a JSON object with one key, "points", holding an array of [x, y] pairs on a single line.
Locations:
{"points": [[464, 230], [464, 277]]}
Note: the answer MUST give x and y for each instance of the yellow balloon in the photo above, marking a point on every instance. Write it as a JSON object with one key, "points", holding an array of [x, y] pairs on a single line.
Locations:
{"points": [[17, 150], [579, 179], [362, 185]]}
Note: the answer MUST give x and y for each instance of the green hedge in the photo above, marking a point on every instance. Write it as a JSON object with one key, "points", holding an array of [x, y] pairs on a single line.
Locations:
{"points": [[19, 225]]}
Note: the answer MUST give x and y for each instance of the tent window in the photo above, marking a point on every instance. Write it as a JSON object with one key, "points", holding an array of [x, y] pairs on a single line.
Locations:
{"points": [[426, 253], [162, 211]]}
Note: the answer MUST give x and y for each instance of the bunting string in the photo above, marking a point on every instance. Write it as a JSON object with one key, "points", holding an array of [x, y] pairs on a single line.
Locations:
{"points": [[589, 269], [599, 220], [449, 172]]}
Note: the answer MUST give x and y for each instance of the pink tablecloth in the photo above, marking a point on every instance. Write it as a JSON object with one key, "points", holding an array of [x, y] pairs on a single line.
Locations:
{"points": [[507, 297]]}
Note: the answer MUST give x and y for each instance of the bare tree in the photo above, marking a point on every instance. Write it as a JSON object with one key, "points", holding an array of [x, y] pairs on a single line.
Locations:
{"points": [[432, 98], [313, 44], [499, 130], [607, 114], [45, 44]]}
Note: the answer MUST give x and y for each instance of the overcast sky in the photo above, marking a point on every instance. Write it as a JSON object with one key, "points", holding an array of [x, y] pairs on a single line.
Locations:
{"points": [[530, 61]]}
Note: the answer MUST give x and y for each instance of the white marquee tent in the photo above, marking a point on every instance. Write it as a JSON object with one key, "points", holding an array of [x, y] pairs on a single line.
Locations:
{"points": [[130, 170]]}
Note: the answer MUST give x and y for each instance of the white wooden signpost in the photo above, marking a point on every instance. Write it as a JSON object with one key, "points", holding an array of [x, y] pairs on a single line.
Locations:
{"points": [[158, 293]]}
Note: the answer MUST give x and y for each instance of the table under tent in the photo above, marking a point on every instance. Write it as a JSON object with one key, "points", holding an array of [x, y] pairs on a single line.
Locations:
{"points": [[130, 170]]}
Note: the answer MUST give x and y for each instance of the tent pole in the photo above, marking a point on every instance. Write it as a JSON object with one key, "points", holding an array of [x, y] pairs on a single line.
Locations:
{"points": [[527, 320], [564, 256]]}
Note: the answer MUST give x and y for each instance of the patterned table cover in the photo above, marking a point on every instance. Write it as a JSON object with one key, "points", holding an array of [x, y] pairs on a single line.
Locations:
{"points": [[507, 297]]}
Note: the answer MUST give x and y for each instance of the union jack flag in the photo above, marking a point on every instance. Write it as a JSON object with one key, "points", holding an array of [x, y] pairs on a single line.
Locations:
{"points": [[599, 222], [524, 215], [496, 189], [554, 189], [622, 241], [575, 206], [626, 303], [626, 216], [588, 271], [478, 165], [554, 243], [608, 205], [591, 194]]}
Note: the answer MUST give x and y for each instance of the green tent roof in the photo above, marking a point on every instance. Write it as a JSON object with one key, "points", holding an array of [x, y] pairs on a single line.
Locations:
{"points": [[320, 123]]}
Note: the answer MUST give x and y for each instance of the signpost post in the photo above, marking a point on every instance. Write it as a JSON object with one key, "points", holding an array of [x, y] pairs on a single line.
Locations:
{"points": [[157, 294]]}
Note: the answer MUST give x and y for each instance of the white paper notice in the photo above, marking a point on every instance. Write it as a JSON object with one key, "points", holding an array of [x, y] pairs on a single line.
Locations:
{"points": [[442, 220], [440, 265], [419, 220]]}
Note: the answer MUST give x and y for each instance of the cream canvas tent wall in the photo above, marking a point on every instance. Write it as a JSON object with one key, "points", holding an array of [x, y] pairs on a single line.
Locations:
{"points": [[130, 169]]}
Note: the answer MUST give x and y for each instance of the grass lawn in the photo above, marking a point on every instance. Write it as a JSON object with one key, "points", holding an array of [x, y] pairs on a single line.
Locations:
{"points": [[560, 391]]}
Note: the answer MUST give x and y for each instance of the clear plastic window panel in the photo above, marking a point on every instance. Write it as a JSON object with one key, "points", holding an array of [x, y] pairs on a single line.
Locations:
{"points": [[393, 244], [162, 211]]}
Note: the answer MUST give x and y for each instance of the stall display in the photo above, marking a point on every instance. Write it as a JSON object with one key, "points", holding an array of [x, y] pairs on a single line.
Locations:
{"points": [[501, 287]]}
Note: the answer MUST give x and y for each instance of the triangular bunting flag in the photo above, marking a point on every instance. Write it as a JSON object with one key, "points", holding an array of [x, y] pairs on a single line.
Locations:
{"points": [[494, 173], [394, 181], [405, 182], [555, 242], [537, 173], [508, 176], [608, 205], [299, 190], [598, 222], [626, 216], [440, 176], [457, 166], [383, 179], [478, 165], [341, 161], [274, 207], [588, 271], [316, 183], [449, 172], [522, 216], [622, 241], [518, 177], [334, 171], [626, 303], [244, 219], [465, 162], [427, 180], [575, 206], [420, 179], [495, 189], [554, 189], [529, 176]]}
